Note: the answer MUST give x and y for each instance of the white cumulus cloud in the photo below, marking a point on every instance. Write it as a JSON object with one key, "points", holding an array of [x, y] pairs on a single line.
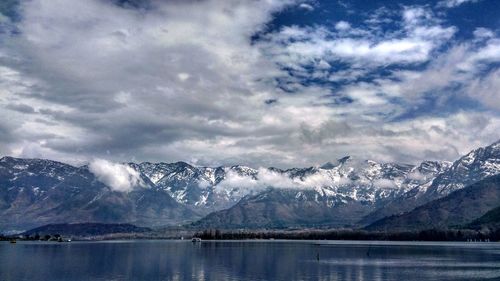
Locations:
{"points": [[119, 177], [454, 3], [265, 178], [306, 6], [342, 25]]}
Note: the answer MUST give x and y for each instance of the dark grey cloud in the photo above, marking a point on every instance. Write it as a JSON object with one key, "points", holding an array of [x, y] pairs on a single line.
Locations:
{"points": [[23, 108], [6, 133]]}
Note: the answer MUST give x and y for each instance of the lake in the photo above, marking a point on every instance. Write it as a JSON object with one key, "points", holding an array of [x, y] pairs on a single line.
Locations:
{"points": [[248, 260]]}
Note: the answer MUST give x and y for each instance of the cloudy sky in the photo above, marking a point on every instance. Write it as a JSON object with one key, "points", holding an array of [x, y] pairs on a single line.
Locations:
{"points": [[262, 82]]}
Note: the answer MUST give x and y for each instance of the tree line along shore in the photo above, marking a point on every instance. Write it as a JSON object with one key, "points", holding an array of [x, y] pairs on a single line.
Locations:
{"points": [[465, 235]]}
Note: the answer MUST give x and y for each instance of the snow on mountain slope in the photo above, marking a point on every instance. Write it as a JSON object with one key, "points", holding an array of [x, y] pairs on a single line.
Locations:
{"points": [[193, 186], [347, 179], [475, 166], [469, 169]]}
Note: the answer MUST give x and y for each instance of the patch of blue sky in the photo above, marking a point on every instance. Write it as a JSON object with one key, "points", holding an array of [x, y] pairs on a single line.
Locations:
{"points": [[8, 17], [385, 15], [469, 16], [8, 8]]}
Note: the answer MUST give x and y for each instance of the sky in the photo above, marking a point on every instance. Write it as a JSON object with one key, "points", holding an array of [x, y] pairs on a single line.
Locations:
{"points": [[259, 83]]}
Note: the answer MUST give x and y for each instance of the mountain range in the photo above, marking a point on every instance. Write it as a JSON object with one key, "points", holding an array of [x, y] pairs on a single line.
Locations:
{"points": [[344, 193]]}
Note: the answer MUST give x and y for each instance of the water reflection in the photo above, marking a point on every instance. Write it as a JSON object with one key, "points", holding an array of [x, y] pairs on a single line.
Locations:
{"points": [[237, 260]]}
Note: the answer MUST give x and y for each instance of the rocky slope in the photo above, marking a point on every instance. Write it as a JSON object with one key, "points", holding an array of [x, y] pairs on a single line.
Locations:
{"points": [[454, 210]]}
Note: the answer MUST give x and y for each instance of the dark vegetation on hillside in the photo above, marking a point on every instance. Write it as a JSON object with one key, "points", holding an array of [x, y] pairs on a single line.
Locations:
{"points": [[490, 220]]}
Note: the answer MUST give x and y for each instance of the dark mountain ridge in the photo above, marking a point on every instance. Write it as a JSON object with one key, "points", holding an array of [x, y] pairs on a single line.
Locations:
{"points": [[85, 229], [455, 210]]}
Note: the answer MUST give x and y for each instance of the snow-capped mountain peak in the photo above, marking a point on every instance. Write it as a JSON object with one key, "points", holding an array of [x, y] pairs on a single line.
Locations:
{"points": [[472, 167], [349, 179]]}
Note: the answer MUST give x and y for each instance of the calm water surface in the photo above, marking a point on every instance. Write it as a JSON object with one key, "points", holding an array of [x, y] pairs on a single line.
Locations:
{"points": [[248, 260]]}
